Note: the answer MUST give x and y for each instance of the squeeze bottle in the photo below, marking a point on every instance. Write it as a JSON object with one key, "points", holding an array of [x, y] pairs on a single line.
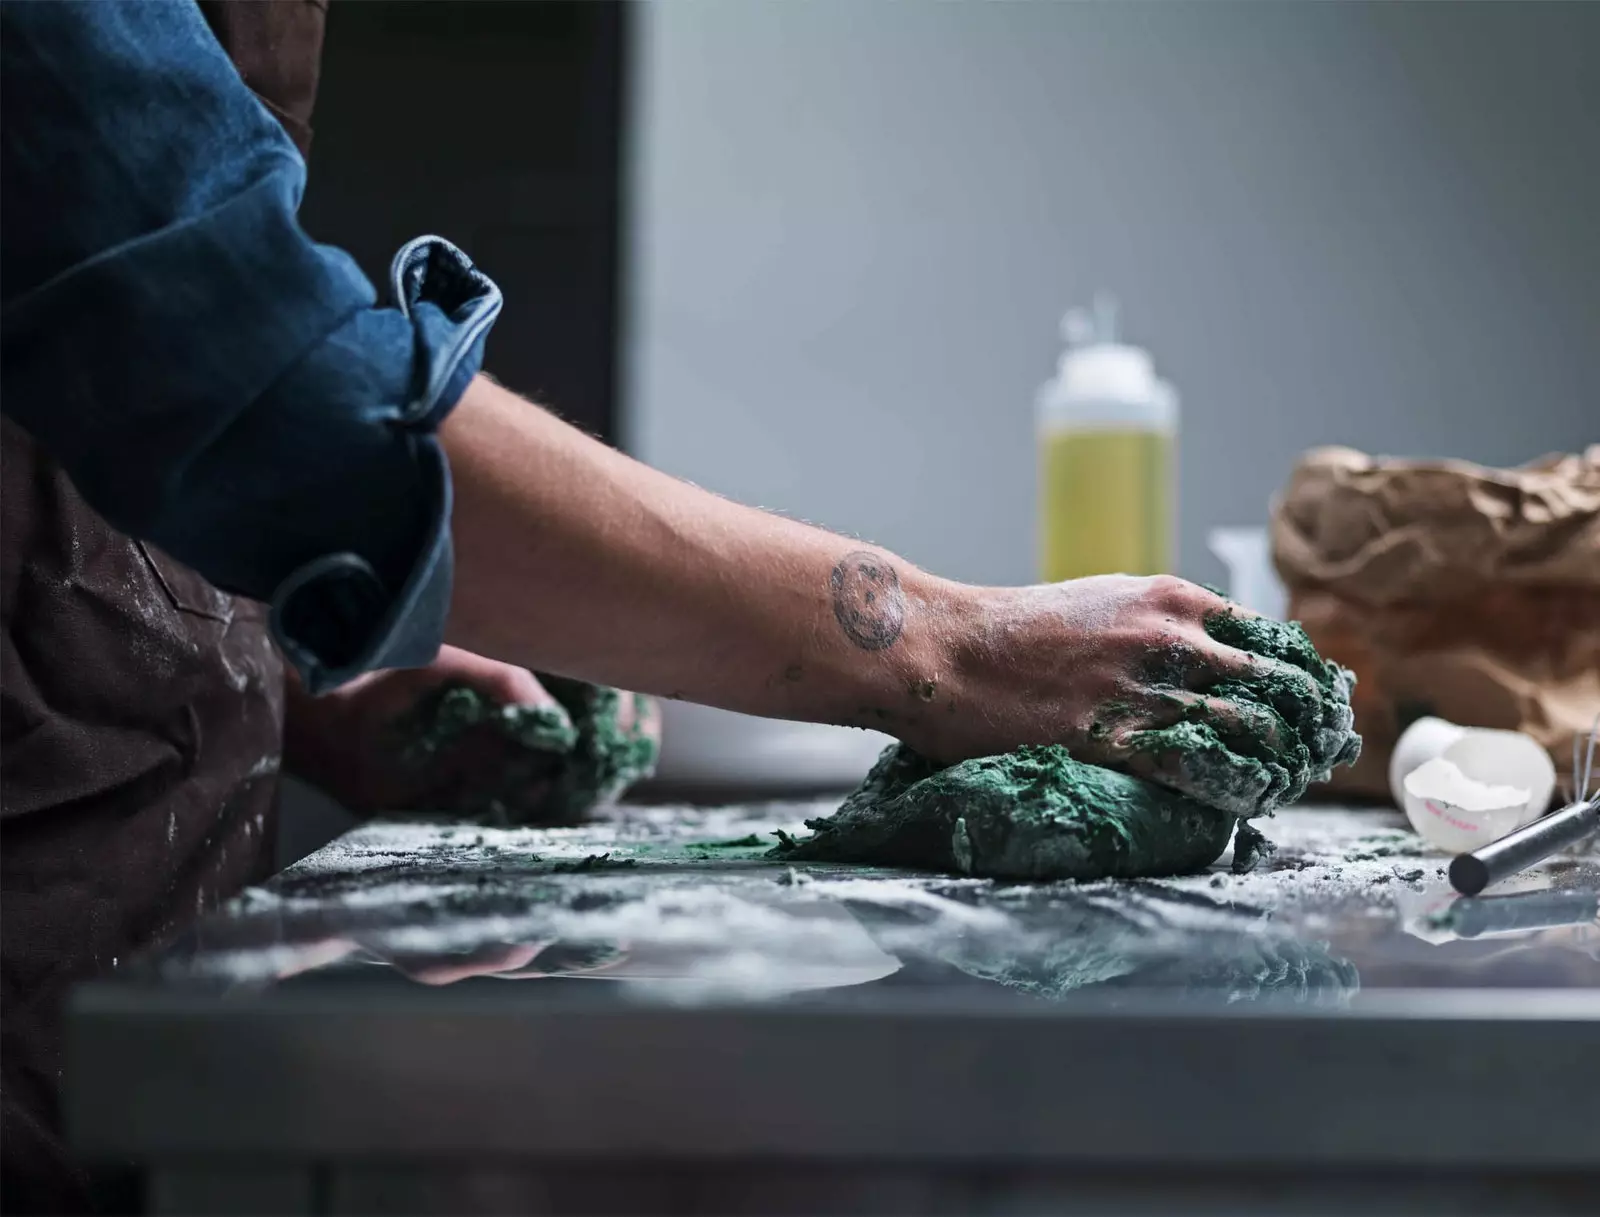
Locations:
{"points": [[1107, 434]]}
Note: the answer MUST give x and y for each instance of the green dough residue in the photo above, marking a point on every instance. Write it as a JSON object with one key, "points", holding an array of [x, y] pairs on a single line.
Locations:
{"points": [[1031, 814], [1036, 813], [593, 862], [585, 756], [1249, 848]]}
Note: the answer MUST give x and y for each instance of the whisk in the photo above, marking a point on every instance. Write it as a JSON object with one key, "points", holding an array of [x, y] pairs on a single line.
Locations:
{"points": [[1533, 843]]}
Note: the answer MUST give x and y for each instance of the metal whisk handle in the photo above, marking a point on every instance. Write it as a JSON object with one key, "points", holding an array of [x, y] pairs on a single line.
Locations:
{"points": [[1528, 845]]}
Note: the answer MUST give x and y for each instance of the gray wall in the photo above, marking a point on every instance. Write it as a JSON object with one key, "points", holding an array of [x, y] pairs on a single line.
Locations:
{"points": [[855, 225]]}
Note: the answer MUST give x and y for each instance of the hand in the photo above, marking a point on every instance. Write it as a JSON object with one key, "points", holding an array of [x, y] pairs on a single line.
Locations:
{"points": [[536, 960], [508, 960], [346, 741], [1103, 664]]}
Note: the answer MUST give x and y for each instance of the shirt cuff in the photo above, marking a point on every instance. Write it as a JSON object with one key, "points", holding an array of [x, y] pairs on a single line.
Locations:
{"points": [[340, 614]]}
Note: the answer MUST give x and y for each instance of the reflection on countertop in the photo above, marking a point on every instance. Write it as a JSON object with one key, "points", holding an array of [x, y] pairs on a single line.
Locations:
{"points": [[681, 904]]}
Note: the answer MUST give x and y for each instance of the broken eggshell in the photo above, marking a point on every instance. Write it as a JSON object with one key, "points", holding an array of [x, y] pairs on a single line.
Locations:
{"points": [[1457, 814], [1490, 783]]}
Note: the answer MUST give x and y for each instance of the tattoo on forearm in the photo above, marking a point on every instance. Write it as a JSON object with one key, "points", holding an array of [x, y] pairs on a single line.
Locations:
{"points": [[867, 600]]}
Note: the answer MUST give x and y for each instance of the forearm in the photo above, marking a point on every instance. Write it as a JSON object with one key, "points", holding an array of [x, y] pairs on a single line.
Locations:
{"points": [[575, 559]]}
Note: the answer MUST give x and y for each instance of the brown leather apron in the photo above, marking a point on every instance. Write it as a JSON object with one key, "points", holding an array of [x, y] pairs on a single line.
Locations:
{"points": [[141, 715]]}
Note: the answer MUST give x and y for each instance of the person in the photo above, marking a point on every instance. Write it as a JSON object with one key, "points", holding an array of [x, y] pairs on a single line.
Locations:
{"points": [[224, 460]]}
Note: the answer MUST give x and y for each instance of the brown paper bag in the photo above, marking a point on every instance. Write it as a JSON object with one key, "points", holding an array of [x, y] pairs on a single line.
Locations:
{"points": [[1450, 589]]}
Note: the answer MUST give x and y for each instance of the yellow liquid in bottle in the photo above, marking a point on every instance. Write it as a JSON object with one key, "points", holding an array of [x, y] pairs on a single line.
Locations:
{"points": [[1105, 501]]}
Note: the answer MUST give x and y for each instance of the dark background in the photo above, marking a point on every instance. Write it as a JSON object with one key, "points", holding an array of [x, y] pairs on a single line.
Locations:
{"points": [[499, 127]]}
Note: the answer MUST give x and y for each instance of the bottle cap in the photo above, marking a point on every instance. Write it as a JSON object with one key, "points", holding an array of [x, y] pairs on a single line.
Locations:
{"points": [[1099, 379]]}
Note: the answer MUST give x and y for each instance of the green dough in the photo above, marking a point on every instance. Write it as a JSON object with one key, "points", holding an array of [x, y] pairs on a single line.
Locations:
{"points": [[456, 709], [1293, 725], [608, 758], [1030, 814], [585, 756], [1036, 813]]}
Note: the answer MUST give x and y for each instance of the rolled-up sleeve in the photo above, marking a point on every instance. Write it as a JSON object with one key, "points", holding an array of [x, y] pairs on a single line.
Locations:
{"points": [[212, 379]]}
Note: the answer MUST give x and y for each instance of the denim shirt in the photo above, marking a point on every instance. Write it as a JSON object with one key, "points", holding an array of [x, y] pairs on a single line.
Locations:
{"points": [[211, 379]]}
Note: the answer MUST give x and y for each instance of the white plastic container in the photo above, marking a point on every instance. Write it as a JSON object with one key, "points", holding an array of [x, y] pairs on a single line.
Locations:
{"points": [[1252, 582], [1463, 787]]}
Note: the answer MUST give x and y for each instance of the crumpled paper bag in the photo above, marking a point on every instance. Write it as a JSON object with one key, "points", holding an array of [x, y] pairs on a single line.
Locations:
{"points": [[1450, 589]]}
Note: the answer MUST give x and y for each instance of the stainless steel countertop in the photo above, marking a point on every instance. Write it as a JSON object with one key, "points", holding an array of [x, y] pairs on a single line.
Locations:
{"points": [[653, 985]]}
